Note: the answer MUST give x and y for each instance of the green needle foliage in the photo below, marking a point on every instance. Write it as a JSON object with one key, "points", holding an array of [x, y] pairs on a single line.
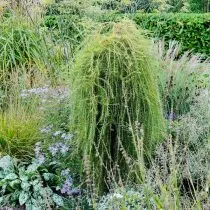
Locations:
{"points": [[114, 95]]}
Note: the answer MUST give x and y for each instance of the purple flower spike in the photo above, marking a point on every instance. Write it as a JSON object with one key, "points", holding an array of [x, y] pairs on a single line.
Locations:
{"points": [[66, 189]]}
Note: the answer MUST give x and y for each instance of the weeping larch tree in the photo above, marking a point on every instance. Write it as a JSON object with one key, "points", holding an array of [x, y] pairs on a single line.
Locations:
{"points": [[114, 91]]}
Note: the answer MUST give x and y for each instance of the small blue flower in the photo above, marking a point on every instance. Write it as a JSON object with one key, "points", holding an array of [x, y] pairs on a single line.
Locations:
{"points": [[57, 133], [66, 189], [37, 149], [46, 129], [65, 172], [53, 150], [67, 136], [64, 148], [171, 116], [41, 159]]}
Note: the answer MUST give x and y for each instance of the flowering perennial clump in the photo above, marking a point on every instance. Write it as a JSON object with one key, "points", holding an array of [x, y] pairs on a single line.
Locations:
{"points": [[45, 92]]}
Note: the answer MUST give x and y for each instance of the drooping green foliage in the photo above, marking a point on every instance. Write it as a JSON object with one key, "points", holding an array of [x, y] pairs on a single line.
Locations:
{"points": [[113, 92], [191, 30], [19, 44], [18, 133], [20, 47]]}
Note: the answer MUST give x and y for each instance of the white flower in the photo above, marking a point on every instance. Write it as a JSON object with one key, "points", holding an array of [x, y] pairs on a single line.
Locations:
{"points": [[117, 195], [47, 129], [24, 95], [67, 136], [57, 133]]}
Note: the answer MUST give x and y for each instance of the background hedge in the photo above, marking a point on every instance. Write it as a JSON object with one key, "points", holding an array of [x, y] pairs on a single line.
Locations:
{"points": [[191, 30]]}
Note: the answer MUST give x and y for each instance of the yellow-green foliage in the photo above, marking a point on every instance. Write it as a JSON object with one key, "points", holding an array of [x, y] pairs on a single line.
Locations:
{"points": [[19, 131], [114, 90]]}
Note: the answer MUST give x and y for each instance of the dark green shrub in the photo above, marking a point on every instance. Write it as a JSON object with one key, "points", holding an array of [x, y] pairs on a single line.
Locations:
{"points": [[191, 30], [113, 91], [76, 7], [65, 27]]}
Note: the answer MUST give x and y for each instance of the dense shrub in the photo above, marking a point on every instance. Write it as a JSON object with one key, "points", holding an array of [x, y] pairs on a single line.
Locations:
{"points": [[191, 30], [114, 93], [76, 7], [64, 27]]}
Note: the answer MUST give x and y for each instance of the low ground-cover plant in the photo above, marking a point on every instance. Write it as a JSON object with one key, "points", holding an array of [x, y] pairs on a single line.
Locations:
{"points": [[127, 199], [40, 184]]}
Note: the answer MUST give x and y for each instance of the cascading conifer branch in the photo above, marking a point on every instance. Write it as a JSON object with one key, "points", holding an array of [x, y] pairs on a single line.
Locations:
{"points": [[114, 86]]}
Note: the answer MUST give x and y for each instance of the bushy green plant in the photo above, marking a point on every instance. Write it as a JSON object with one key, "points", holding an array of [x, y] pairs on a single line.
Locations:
{"points": [[40, 184], [20, 45], [192, 132], [18, 133], [126, 199], [71, 29], [23, 186], [181, 78], [113, 93], [76, 7], [191, 30]]}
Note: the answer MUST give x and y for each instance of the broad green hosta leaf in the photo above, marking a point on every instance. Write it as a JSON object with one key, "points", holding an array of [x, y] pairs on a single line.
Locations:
{"points": [[23, 198], [32, 168], [6, 163], [32, 204], [47, 176], [58, 200], [14, 184], [25, 186], [11, 176], [24, 178]]}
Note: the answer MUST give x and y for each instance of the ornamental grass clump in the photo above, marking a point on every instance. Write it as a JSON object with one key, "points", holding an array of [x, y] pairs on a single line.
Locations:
{"points": [[21, 48], [116, 110]]}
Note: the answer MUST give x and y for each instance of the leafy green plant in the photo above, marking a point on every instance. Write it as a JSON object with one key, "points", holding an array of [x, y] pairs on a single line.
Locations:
{"points": [[126, 199], [67, 30], [191, 30], [27, 185], [43, 182], [114, 91]]}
